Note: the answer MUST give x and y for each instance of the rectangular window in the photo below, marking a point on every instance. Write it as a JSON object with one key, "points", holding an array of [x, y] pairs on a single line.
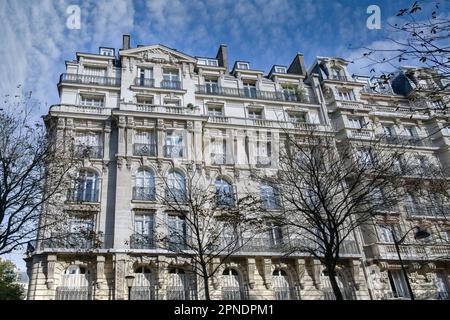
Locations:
{"points": [[174, 145], [92, 101], [445, 131], [215, 111], [346, 95], [385, 232], [177, 233], [218, 150], [171, 79], [398, 284], [243, 65], [143, 224], [280, 69], [95, 71], [255, 113], [411, 131], [208, 62], [211, 86], [388, 130], [354, 123], [298, 117], [141, 100], [250, 90]]}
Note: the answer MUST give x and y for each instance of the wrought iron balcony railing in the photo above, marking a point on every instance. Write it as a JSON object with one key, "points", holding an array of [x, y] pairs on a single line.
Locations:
{"points": [[139, 241], [83, 195], [171, 84], [91, 80], [176, 195], [180, 293], [144, 193], [285, 294], [144, 293], [263, 161], [234, 293], [85, 151], [69, 293], [144, 149], [256, 94], [173, 151], [405, 140], [420, 210], [143, 82], [70, 241], [218, 158]]}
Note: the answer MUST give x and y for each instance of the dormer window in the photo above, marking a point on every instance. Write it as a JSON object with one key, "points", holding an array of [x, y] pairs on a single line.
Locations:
{"points": [[107, 52], [279, 69], [208, 62], [346, 95], [243, 65]]}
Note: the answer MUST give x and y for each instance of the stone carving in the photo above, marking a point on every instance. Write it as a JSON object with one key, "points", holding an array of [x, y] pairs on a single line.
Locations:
{"points": [[316, 272], [251, 266], [300, 269], [355, 267], [100, 271], [51, 261], [267, 264]]}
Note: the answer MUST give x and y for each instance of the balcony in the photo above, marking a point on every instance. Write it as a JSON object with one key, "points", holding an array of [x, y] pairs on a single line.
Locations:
{"points": [[339, 78], [144, 149], [285, 294], [70, 241], [90, 80], [173, 151], [234, 293], [218, 158], [180, 293], [423, 211], [347, 293], [144, 193], [171, 84], [176, 195], [85, 151], [379, 90], [142, 82], [351, 105], [225, 200], [69, 293], [144, 293], [263, 161], [139, 241], [255, 94], [72, 108], [364, 134], [160, 109], [404, 140], [408, 251], [83, 195]]}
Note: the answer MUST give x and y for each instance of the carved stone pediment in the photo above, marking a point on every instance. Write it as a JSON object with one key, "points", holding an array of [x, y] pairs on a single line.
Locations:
{"points": [[158, 54]]}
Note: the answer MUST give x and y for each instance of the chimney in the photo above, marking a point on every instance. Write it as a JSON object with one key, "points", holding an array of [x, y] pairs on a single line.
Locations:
{"points": [[126, 42], [222, 56]]}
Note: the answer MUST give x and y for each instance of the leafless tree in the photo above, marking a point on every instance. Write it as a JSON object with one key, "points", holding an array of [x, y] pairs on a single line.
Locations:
{"points": [[328, 190], [420, 38], [212, 218], [32, 172]]}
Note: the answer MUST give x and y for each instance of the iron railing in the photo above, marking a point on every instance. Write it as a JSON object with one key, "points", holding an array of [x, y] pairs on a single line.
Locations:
{"points": [[144, 193], [420, 210], [218, 158], [234, 293], [85, 151], [180, 293], [175, 195], [144, 149], [68, 293], [83, 195], [405, 140], [91, 80], [144, 293], [256, 94], [143, 82], [69, 241], [173, 151], [139, 241], [263, 161], [171, 84], [285, 294]]}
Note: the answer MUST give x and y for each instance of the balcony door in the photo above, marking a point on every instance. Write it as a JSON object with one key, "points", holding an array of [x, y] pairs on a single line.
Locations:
{"points": [[281, 286], [231, 285], [442, 286], [177, 286], [74, 284], [398, 284], [144, 284], [143, 227]]}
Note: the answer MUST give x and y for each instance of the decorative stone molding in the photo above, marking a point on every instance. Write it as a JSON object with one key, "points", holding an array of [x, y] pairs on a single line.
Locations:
{"points": [[120, 160], [300, 268], [267, 266], [160, 125], [100, 271], [129, 163], [316, 267], [51, 261], [251, 266], [383, 266], [355, 272], [215, 278]]}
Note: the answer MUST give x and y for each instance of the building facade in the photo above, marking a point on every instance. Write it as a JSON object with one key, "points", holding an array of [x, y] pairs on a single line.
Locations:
{"points": [[152, 111]]}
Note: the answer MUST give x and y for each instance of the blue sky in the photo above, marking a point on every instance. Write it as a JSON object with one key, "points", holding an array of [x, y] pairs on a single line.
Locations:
{"points": [[36, 41]]}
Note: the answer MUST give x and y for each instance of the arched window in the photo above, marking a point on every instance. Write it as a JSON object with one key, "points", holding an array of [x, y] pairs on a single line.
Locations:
{"points": [[144, 185], [327, 289], [270, 197], [281, 286], [224, 193], [178, 285], [143, 285], [176, 186], [74, 284], [232, 288], [87, 187]]}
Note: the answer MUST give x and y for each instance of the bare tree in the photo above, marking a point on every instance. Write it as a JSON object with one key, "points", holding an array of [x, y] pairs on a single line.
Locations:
{"points": [[212, 217], [32, 172], [421, 38], [330, 190]]}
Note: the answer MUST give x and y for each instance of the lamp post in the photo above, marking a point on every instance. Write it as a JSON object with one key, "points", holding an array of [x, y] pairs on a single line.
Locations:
{"points": [[130, 280], [420, 234]]}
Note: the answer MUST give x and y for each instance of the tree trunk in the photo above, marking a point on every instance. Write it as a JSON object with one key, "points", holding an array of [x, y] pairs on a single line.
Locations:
{"points": [[334, 285], [206, 282]]}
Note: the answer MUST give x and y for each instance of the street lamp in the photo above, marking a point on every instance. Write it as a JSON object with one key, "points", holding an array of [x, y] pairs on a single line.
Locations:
{"points": [[420, 234], [130, 280]]}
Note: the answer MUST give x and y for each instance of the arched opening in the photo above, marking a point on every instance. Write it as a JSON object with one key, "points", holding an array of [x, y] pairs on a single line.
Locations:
{"points": [[176, 187], [232, 288], [347, 290], [74, 284], [178, 287], [144, 284], [224, 192], [283, 290], [144, 188]]}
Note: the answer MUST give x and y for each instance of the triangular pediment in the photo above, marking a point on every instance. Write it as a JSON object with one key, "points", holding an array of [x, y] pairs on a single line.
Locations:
{"points": [[158, 53]]}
